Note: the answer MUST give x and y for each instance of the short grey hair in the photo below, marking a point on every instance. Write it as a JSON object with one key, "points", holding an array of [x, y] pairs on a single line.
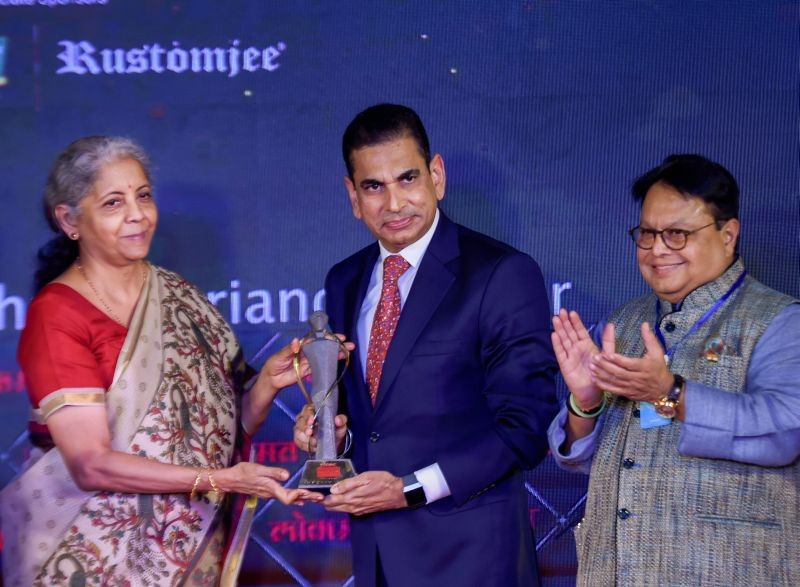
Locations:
{"points": [[75, 170]]}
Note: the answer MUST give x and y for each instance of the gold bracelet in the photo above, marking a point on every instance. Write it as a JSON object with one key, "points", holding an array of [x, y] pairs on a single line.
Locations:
{"points": [[195, 484], [214, 486]]}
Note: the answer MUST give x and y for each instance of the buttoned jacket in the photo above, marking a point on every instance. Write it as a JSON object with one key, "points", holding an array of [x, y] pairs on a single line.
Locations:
{"points": [[657, 517], [468, 383]]}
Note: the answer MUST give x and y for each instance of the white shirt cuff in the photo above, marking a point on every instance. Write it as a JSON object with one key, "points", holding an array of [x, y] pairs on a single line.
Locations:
{"points": [[433, 482]]}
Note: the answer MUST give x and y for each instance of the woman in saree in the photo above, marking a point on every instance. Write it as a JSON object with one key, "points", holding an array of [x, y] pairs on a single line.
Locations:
{"points": [[142, 404]]}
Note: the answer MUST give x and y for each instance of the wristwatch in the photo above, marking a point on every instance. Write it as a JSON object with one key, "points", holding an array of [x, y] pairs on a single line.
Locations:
{"points": [[413, 491], [668, 406]]}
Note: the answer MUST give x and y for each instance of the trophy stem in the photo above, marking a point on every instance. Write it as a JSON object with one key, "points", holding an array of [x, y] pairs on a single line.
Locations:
{"points": [[321, 349]]}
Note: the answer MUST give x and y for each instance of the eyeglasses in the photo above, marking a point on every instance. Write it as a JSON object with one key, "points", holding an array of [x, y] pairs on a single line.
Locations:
{"points": [[673, 238]]}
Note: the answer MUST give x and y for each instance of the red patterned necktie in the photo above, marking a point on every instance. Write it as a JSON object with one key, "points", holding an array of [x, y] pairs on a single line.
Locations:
{"points": [[385, 321]]}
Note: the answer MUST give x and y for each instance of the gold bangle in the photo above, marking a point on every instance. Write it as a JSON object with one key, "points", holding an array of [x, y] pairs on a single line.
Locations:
{"points": [[195, 484], [214, 486]]}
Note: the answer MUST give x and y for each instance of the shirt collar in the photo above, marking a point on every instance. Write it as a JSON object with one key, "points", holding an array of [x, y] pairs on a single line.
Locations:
{"points": [[413, 253]]}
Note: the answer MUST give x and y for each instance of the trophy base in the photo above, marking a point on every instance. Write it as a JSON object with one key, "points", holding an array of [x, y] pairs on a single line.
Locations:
{"points": [[320, 475]]}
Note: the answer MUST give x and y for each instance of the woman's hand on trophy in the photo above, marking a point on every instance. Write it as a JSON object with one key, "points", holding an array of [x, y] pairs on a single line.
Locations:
{"points": [[262, 481], [279, 369], [304, 436], [277, 373]]}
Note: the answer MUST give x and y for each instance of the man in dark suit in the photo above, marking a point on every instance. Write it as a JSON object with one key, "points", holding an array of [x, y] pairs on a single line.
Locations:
{"points": [[451, 388]]}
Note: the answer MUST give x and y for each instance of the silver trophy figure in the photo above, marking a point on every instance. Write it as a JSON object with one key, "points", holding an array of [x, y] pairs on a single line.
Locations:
{"points": [[321, 348]]}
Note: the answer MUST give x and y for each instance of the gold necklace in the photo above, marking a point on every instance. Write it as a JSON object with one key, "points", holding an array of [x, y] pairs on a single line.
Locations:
{"points": [[107, 308]]}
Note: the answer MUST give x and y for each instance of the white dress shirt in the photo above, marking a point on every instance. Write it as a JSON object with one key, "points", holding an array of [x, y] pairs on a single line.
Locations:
{"points": [[433, 482]]}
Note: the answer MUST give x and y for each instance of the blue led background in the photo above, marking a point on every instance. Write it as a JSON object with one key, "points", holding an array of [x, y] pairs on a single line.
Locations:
{"points": [[544, 111]]}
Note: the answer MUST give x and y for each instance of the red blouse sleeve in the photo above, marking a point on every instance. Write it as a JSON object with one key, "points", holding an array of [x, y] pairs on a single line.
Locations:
{"points": [[67, 351]]}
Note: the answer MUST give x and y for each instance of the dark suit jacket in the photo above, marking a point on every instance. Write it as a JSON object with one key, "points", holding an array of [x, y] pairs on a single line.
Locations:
{"points": [[468, 382]]}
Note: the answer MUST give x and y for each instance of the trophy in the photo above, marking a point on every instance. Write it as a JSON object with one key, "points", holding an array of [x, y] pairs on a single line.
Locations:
{"points": [[321, 348]]}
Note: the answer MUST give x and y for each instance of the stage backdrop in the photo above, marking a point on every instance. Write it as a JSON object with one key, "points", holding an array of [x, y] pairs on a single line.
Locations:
{"points": [[543, 110]]}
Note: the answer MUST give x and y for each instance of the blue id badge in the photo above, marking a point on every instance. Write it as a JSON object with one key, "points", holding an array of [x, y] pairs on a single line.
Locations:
{"points": [[649, 418]]}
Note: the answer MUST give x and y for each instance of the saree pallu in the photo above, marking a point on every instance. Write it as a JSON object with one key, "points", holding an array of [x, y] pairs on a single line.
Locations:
{"points": [[175, 399]]}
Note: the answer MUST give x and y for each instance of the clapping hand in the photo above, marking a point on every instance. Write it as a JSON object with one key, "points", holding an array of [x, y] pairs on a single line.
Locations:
{"points": [[639, 379], [575, 352]]}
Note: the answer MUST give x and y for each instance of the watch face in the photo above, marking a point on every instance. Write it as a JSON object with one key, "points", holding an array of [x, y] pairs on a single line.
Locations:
{"points": [[666, 409], [413, 491]]}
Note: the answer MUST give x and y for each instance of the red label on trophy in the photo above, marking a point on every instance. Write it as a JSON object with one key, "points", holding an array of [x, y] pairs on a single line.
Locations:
{"points": [[329, 471]]}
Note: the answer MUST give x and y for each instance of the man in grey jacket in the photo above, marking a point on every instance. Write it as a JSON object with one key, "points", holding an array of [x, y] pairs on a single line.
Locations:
{"points": [[686, 413]]}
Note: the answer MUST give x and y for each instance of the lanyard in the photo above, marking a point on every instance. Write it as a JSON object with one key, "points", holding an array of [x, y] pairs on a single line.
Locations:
{"points": [[703, 319]]}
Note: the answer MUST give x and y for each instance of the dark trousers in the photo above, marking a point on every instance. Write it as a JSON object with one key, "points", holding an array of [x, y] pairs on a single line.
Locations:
{"points": [[380, 580]]}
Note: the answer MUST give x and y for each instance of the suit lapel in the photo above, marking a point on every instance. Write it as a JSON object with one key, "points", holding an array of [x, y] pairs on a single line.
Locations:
{"points": [[432, 281], [354, 294]]}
